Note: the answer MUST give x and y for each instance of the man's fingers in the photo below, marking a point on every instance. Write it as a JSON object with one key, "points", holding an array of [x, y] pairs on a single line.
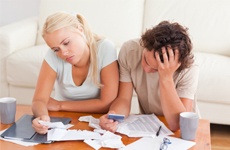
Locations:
{"points": [[171, 54], [165, 56], [176, 51]]}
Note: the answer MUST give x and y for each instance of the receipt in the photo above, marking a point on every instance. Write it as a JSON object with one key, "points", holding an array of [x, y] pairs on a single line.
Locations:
{"points": [[52, 124]]}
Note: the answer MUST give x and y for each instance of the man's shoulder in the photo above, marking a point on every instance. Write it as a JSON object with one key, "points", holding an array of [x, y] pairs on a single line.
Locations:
{"points": [[132, 43], [131, 46], [130, 53], [192, 70]]}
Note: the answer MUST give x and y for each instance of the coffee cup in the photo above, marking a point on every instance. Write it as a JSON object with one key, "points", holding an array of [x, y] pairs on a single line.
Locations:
{"points": [[7, 110], [188, 125]]}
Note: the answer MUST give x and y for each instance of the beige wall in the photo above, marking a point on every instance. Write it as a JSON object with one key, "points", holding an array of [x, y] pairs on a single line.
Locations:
{"points": [[15, 10]]}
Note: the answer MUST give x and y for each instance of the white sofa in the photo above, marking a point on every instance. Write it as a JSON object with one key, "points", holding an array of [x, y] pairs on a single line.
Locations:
{"points": [[22, 48]]}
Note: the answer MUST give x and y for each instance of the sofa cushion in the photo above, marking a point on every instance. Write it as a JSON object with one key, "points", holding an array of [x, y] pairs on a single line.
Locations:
{"points": [[214, 78], [118, 20], [23, 66], [209, 28]]}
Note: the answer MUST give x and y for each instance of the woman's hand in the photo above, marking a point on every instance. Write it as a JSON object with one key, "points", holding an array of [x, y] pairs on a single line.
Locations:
{"points": [[108, 124], [41, 129], [53, 105]]}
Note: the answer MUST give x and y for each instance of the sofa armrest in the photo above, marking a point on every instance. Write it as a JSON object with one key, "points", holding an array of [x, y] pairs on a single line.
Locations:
{"points": [[18, 35], [14, 37]]}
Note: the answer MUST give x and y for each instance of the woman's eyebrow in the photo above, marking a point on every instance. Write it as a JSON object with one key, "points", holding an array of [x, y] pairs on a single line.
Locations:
{"points": [[64, 40], [60, 42]]}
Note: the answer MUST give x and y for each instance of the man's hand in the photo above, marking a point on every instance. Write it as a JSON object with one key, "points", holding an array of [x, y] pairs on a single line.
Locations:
{"points": [[108, 124], [171, 63]]}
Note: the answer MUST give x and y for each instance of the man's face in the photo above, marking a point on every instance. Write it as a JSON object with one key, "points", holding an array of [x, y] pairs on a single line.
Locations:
{"points": [[149, 62]]}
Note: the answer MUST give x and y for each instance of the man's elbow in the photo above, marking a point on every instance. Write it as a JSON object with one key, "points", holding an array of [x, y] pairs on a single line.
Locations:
{"points": [[174, 127]]}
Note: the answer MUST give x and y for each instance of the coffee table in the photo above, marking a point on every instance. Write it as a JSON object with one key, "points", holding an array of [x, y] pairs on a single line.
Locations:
{"points": [[203, 141]]}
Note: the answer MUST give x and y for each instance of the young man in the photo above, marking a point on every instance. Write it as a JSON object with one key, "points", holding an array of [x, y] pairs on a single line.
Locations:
{"points": [[161, 69]]}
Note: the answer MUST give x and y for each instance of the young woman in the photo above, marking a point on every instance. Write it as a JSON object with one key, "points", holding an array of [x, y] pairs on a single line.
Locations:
{"points": [[82, 66]]}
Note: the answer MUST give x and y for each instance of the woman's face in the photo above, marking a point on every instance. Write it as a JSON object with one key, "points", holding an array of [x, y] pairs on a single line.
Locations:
{"points": [[69, 46], [149, 62]]}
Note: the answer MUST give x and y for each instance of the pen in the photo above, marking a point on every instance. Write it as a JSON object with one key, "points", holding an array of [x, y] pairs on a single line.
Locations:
{"points": [[158, 132]]}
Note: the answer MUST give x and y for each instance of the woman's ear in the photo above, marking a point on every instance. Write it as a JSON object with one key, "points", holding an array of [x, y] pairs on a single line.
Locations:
{"points": [[80, 29], [81, 32]]}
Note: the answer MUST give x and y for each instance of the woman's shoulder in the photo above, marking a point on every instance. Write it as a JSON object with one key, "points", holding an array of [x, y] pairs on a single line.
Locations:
{"points": [[105, 43], [106, 46]]}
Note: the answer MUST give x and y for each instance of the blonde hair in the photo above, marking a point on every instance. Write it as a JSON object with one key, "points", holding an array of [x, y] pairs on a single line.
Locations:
{"points": [[61, 20]]}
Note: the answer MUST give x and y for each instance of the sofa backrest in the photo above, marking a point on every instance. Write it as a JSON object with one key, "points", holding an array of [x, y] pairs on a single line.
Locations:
{"points": [[118, 20], [208, 21]]}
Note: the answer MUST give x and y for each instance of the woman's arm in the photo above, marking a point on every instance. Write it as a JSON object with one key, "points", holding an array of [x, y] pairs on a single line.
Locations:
{"points": [[42, 93], [43, 90], [110, 80]]}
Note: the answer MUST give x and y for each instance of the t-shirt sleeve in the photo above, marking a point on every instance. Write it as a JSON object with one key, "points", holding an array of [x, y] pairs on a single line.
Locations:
{"points": [[123, 64], [187, 87], [107, 53], [52, 59]]}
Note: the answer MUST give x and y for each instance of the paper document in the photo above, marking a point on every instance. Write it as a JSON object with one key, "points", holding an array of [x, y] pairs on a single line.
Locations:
{"points": [[93, 122], [134, 125], [142, 125], [52, 124], [154, 144], [58, 134], [108, 140], [23, 143]]}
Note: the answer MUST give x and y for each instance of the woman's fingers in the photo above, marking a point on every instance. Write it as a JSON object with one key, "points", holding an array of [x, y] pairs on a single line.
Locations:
{"points": [[41, 129]]}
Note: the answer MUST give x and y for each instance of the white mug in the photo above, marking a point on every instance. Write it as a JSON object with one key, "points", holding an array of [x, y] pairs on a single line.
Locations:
{"points": [[188, 125], [7, 110]]}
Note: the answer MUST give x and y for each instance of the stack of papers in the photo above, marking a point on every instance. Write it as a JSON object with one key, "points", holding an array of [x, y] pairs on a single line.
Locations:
{"points": [[142, 125], [19, 142], [145, 126], [59, 132], [134, 125], [154, 144]]}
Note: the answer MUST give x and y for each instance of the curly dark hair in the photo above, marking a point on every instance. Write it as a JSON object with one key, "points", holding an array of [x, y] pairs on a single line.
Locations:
{"points": [[167, 34]]}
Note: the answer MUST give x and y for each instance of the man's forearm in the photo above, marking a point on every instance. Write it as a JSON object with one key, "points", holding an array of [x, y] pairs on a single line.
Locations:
{"points": [[121, 106]]}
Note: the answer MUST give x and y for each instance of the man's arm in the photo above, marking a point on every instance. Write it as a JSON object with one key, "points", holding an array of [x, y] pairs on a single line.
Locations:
{"points": [[171, 104], [121, 105]]}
